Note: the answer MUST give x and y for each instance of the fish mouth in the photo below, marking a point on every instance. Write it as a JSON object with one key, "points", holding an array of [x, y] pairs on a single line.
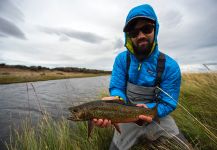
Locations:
{"points": [[74, 118]]}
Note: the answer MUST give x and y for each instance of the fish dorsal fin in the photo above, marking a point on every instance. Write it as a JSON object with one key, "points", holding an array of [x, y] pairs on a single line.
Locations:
{"points": [[114, 101]]}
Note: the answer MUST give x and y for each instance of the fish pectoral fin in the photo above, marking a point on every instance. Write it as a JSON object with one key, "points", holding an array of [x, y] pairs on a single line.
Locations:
{"points": [[90, 127], [117, 127], [139, 122], [69, 118]]}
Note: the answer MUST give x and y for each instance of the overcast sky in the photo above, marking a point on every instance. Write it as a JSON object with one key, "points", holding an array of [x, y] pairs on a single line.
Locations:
{"points": [[81, 33]]}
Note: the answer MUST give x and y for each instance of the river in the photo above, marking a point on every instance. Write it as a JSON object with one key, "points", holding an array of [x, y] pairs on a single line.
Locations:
{"points": [[17, 101]]}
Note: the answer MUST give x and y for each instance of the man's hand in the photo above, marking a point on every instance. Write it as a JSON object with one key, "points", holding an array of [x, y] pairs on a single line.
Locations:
{"points": [[102, 123], [143, 117]]}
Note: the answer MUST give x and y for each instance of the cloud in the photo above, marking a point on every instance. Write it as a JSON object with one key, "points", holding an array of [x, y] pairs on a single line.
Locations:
{"points": [[118, 44], [2, 35], [8, 28], [80, 35], [172, 18], [192, 36], [64, 38], [187, 31], [10, 11]]}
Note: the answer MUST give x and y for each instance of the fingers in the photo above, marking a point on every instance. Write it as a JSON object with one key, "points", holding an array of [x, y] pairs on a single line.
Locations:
{"points": [[98, 122], [102, 123], [110, 98], [106, 123], [146, 118], [141, 105]]}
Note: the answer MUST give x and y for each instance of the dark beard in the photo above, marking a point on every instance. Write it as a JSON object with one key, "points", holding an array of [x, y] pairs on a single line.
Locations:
{"points": [[142, 52]]}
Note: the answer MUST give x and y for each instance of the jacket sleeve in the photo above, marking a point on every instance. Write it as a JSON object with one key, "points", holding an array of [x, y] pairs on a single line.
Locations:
{"points": [[171, 85], [117, 82]]}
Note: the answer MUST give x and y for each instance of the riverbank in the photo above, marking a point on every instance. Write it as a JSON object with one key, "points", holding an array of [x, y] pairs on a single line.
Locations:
{"points": [[16, 75]]}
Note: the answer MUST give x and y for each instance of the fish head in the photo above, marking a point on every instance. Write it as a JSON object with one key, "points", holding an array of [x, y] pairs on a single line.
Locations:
{"points": [[77, 114]]}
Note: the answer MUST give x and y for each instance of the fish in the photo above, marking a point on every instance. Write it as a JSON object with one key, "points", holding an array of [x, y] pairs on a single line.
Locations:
{"points": [[115, 110]]}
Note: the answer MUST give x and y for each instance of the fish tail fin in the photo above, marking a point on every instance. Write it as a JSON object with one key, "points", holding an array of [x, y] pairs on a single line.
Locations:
{"points": [[156, 118], [90, 127]]}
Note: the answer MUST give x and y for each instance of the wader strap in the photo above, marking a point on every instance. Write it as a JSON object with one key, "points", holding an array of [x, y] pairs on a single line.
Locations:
{"points": [[128, 66], [160, 68]]}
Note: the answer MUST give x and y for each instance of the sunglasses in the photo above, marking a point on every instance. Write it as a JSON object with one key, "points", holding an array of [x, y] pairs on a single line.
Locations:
{"points": [[146, 29]]}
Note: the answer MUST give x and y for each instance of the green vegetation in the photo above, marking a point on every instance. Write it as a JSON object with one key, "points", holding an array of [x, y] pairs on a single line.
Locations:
{"points": [[198, 96]]}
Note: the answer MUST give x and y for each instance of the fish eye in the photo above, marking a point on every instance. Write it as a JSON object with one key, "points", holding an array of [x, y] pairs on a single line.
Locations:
{"points": [[75, 110]]}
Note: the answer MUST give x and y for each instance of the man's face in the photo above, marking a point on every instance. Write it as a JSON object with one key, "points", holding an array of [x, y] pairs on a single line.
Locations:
{"points": [[142, 37]]}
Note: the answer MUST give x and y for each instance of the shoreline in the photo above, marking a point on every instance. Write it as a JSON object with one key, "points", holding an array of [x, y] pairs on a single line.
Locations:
{"points": [[17, 75]]}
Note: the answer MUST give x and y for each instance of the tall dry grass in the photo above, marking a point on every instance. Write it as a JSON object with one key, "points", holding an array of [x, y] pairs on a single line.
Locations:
{"points": [[57, 135], [199, 97]]}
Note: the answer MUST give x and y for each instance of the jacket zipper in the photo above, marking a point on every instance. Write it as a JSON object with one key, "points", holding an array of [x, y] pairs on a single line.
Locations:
{"points": [[138, 74], [139, 66]]}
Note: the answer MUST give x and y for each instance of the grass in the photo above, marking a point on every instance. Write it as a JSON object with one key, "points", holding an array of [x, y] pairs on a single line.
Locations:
{"points": [[14, 75], [58, 135], [198, 96]]}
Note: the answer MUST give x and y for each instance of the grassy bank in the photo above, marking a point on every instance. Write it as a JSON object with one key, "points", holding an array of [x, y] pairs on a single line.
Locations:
{"points": [[198, 96], [15, 75]]}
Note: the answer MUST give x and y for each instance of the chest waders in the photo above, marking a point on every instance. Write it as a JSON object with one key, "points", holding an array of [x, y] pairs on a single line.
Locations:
{"points": [[131, 132]]}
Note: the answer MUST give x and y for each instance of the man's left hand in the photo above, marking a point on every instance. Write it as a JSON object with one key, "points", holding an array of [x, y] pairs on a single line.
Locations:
{"points": [[143, 117]]}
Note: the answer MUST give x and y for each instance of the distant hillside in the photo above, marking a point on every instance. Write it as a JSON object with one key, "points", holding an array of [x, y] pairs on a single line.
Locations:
{"points": [[64, 69]]}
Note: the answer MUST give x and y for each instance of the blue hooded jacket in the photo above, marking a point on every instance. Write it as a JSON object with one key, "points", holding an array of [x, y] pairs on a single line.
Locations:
{"points": [[144, 73]]}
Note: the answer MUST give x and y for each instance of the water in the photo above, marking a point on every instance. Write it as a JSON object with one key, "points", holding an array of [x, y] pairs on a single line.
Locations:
{"points": [[17, 101]]}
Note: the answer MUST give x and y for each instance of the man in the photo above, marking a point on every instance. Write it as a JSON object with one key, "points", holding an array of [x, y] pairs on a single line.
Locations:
{"points": [[137, 73]]}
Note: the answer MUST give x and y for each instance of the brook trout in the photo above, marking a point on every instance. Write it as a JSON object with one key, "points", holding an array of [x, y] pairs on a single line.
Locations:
{"points": [[114, 110]]}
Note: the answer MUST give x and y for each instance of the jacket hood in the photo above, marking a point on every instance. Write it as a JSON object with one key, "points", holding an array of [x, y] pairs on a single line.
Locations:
{"points": [[142, 11]]}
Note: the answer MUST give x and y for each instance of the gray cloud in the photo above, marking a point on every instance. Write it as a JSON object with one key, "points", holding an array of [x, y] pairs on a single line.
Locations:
{"points": [[10, 11], [193, 38], [172, 18], [118, 44], [8, 28], [80, 35], [2, 35], [64, 38], [187, 31]]}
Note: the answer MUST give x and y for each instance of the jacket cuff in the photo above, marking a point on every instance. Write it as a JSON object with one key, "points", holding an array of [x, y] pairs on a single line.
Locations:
{"points": [[150, 105], [119, 94]]}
